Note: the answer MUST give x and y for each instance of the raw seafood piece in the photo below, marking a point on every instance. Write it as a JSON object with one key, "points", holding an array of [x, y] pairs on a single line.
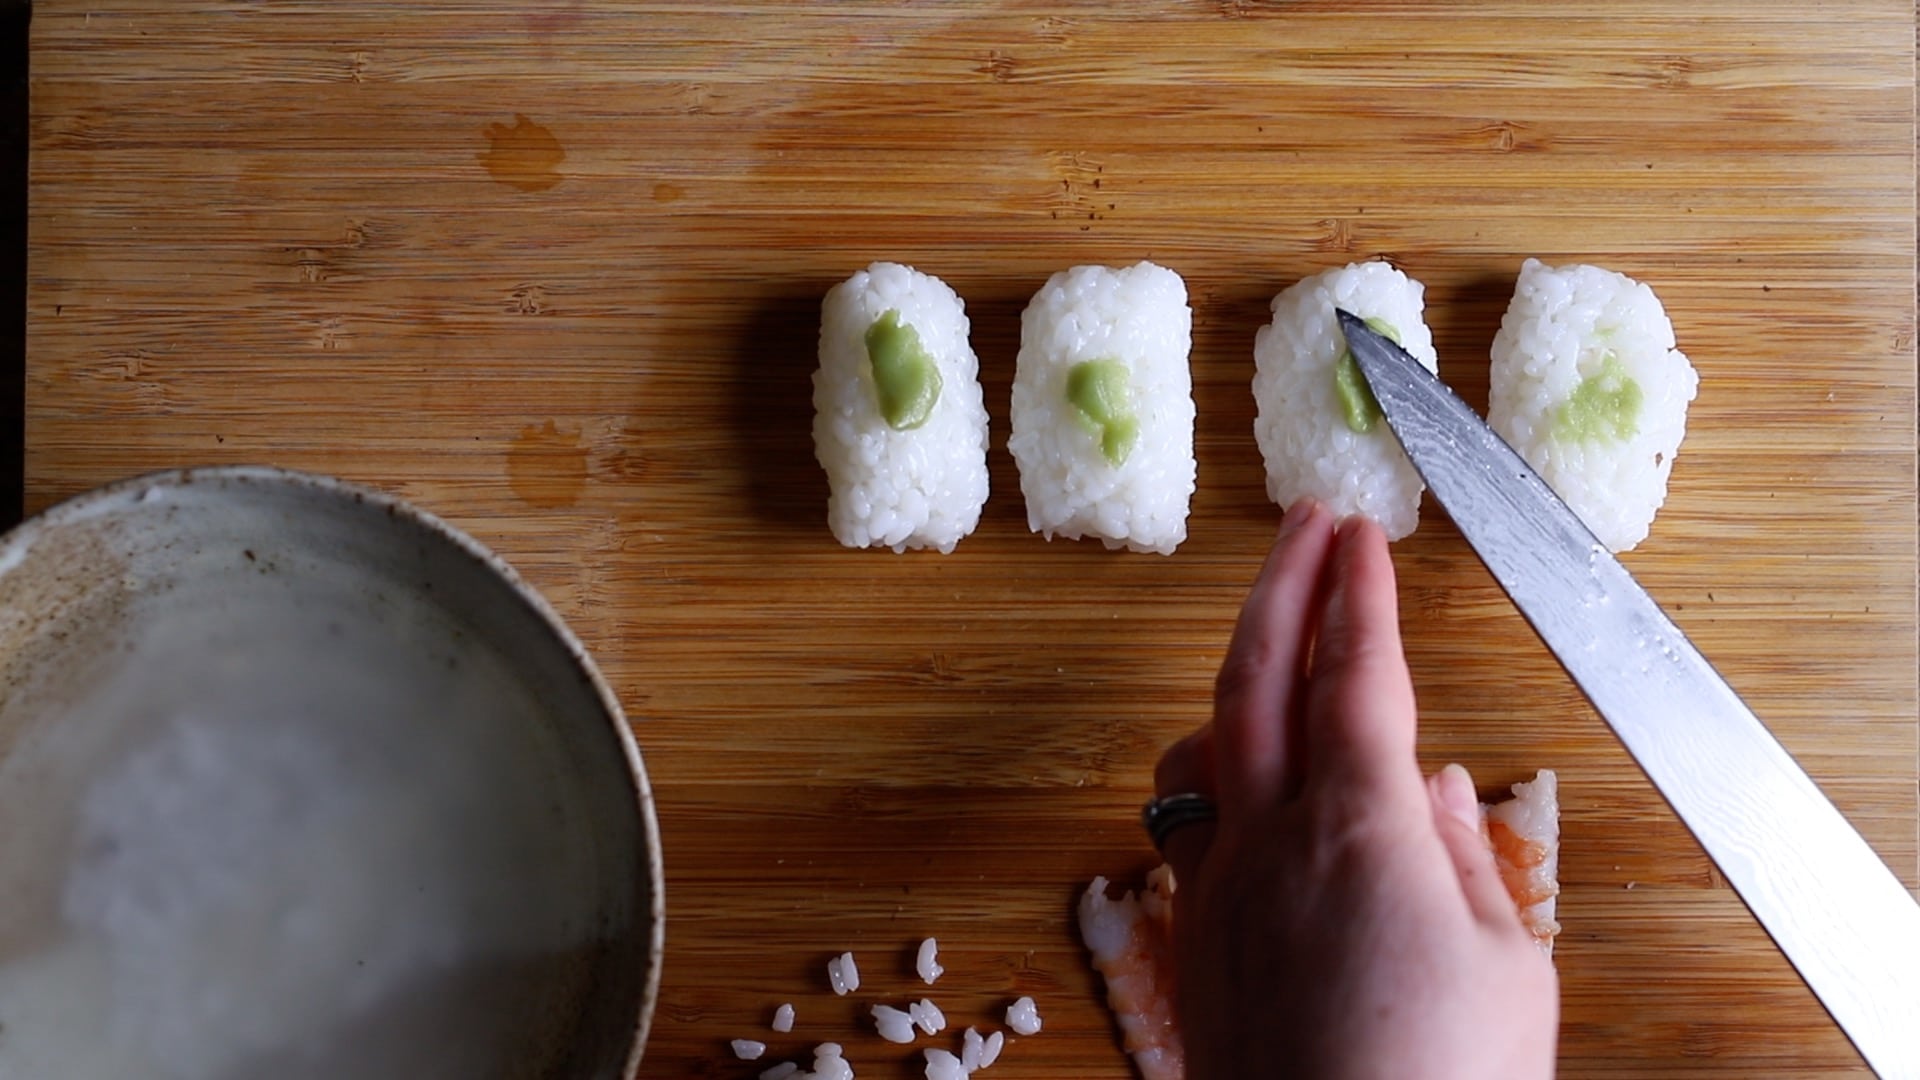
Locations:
{"points": [[1524, 833], [1131, 940]]}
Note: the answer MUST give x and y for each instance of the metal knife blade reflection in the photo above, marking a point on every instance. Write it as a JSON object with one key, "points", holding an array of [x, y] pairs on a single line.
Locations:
{"points": [[1838, 914]]}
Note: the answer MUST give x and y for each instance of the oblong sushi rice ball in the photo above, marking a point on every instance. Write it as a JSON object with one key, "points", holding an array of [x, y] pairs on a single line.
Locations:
{"points": [[1588, 386], [1103, 407], [899, 422], [1319, 429]]}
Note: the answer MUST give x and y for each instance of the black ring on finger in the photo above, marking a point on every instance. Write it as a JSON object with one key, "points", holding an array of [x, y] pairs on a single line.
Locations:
{"points": [[1161, 816]]}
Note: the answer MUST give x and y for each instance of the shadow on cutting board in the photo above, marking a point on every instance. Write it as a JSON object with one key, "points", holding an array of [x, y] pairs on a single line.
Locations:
{"points": [[770, 408], [13, 258]]}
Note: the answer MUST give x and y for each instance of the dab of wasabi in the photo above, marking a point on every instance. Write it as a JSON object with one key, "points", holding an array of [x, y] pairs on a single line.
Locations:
{"points": [[1097, 389], [1606, 405], [904, 377], [1357, 403]]}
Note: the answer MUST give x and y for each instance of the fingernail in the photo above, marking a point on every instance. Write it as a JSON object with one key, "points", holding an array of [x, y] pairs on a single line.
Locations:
{"points": [[1297, 515], [1457, 795]]}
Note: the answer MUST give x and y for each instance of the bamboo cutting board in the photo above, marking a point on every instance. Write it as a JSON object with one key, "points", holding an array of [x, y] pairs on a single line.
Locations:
{"points": [[553, 270]]}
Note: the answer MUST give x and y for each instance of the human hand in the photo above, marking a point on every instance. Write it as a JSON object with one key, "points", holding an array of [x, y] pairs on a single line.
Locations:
{"points": [[1343, 918]]}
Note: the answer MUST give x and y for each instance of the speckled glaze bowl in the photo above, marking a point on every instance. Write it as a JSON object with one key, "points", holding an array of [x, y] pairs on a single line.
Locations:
{"points": [[299, 781]]}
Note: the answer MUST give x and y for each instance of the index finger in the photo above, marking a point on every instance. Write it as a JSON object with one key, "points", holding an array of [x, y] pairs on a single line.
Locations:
{"points": [[1360, 725], [1266, 663]]}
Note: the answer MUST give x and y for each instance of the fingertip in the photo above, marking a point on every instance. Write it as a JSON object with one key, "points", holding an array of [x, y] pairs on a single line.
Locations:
{"points": [[1454, 785], [1361, 705], [1362, 570], [1304, 509], [1472, 855], [1356, 530], [1267, 658]]}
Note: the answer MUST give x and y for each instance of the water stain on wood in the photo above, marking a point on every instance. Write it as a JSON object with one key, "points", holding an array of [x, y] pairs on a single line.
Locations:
{"points": [[525, 156], [547, 467]]}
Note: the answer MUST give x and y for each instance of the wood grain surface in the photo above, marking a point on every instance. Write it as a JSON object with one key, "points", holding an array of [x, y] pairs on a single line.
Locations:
{"points": [[553, 270]]}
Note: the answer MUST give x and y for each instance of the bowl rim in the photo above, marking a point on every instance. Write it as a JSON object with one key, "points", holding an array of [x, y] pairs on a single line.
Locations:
{"points": [[107, 498]]}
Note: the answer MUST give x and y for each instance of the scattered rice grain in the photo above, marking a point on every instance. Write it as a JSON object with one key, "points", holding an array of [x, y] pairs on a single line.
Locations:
{"points": [[971, 1047], [1024, 1017], [843, 974], [928, 963], [894, 1025], [828, 1064], [942, 1065], [927, 1016]]}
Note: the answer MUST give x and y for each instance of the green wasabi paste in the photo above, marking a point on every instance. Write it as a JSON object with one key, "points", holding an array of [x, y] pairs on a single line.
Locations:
{"points": [[1357, 403], [1605, 406], [904, 377], [1097, 390]]}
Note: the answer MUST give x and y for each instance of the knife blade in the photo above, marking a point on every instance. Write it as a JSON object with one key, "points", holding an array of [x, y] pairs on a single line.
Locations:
{"points": [[1843, 919]]}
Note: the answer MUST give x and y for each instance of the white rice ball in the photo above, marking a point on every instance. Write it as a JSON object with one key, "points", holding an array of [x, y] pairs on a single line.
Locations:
{"points": [[914, 487], [1588, 387], [1127, 481], [1309, 445]]}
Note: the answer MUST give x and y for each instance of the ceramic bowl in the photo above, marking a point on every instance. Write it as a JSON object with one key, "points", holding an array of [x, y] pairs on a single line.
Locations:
{"points": [[299, 781]]}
